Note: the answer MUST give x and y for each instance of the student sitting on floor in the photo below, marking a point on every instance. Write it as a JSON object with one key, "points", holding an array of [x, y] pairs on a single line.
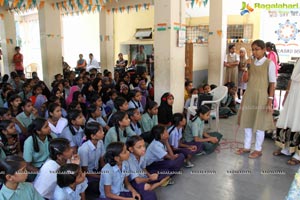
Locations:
{"points": [[13, 176], [159, 155], [114, 175], [139, 177], [194, 131], [71, 182], [176, 140], [228, 104], [91, 154]]}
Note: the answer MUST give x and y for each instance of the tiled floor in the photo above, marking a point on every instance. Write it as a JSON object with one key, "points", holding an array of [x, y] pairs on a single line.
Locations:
{"points": [[227, 176]]}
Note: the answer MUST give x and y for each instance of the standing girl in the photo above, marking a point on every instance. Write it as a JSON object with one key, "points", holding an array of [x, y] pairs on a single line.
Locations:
{"points": [[56, 122], [231, 63], [114, 175], [73, 131], [243, 66], [272, 54], [140, 178], [194, 131], [176, 140], [256, 107], [13, 175], [71, 182], [121, 129], [165, 110], [36, 150]]}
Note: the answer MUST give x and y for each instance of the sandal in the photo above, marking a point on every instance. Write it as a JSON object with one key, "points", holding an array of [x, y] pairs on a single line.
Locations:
{"points": [[255, 154], [277, 153], [241, 151], [293, 161]]}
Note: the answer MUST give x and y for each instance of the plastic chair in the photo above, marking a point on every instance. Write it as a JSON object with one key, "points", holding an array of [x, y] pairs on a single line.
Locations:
{"points": [[32, 67], [218, 94]]}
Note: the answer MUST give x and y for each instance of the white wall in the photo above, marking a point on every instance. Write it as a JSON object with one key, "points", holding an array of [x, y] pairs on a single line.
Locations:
{"points": [[80, 35]]}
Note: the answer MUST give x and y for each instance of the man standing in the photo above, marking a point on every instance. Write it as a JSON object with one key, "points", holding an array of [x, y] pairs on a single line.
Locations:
{"points": [[140, 59], [18, 61]]}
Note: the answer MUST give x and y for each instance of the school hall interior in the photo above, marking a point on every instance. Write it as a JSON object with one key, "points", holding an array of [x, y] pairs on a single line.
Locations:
{"points": [[190, 39]]}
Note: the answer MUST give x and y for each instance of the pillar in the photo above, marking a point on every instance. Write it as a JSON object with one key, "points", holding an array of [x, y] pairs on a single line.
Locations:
{"points": [[8, 31], [217, 41], [107, 43], [169, 58], [51, 42]]}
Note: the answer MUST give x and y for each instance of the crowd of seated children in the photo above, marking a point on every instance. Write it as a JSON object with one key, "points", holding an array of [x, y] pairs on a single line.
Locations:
{"points": [[62, 129]]}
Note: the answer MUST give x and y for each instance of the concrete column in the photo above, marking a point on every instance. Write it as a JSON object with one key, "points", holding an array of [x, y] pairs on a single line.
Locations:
{"points": [[107, 45], [8, 31], [169, 59], [217, 43], [51, 46]]}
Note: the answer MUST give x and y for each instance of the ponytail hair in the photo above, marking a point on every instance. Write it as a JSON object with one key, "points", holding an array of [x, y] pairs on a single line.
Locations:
{"points": [[57, 147], [36, 125], [203, 109], [113, 149], [117, 117], [157, 131]]}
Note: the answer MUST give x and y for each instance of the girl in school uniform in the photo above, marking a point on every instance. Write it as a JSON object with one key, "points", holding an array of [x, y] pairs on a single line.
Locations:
{"points": [[9, 140], [97, 100], [114, 175], [60, 153], [13, 175], [176, 140], [26, 91], [94, 115], [135, 118], [135, 102], [159, 155], [56, 122], [139, 177], [73, 131], [38, 99], [36, 150], [71, 182], [194, 131], [91, 154], [231, 63], [256, 107], [165, 110], [121, 129], [149, 118], [14, 103]]}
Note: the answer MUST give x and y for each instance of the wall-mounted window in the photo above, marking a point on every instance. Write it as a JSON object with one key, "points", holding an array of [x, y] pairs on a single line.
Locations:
{"points": [[240, 31], [197, 34]]}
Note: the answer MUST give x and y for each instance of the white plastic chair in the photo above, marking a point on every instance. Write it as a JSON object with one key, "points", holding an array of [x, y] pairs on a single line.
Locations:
{"points": [[32, 67], [218, 94]]}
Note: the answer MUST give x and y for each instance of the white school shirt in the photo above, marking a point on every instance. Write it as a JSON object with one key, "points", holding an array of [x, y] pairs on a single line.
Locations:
{"points": [[57, 130], [90, 155], [136, 104], [156, 151], [232, 55], [136, 128], [113, 176], [45, 182], [272, 68], [175, 136], [136, 167], [66, 193], [92, 64]]}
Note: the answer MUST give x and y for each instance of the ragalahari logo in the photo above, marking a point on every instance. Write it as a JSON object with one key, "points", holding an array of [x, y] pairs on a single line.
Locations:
{"points": [[246, 8]]}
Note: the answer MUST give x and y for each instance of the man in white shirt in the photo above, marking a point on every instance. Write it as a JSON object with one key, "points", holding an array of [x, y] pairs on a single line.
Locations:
{"points": [[92, 63]]}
